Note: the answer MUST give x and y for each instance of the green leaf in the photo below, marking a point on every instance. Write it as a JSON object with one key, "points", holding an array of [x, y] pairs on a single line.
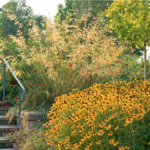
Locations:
{"points": [[136, 146]]}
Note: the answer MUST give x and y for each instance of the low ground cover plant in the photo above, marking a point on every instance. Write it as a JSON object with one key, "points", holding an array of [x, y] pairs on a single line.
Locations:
{"points": [[51, 73]]}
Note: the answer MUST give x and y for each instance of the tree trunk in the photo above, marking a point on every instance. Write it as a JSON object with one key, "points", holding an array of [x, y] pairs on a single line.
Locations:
{"points": [[145, 69], [145, 39]]}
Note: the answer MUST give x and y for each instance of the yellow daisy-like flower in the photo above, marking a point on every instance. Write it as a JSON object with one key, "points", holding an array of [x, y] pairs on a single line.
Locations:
{"points": [[87, 148], [117, 128], [111, 141], [100, 132], [91, 143], [116, 143], [108, 126], [127, 147], [98, 142], [101, 125], [110, 133], [121, 148], [94, 133]]}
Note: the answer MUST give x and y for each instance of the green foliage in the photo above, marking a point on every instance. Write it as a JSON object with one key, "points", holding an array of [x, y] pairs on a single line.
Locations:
{"points": [[11, 49], [23, 13], [133, 27], [11, 90], [137, 51], [39, 19], [80, 7]]}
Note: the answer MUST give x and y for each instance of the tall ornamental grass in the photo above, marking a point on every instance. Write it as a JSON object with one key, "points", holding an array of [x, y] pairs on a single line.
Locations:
{"points": [[54, 64]]}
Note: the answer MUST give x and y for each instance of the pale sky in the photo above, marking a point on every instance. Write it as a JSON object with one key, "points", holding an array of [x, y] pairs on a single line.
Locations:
{"points": [[49, 9]]}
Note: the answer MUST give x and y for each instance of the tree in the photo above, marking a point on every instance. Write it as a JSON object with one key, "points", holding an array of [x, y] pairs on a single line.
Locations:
{"points": [[76, 8], [62, 13], [131, 22], [23, 14], [80, 7], [7, 25]]}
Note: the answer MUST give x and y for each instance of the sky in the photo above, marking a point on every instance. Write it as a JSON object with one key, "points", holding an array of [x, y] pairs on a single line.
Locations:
{"points": [[49, 9]]}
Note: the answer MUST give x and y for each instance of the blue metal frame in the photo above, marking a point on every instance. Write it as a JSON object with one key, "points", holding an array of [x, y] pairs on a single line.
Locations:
{"points": [[21, 88]]}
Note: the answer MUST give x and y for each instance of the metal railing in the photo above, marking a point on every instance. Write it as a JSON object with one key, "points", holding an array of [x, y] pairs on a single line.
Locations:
{"points": [[21, 88]]}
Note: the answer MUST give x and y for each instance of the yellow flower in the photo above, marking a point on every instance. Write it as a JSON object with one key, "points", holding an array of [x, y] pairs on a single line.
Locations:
{"points": [[91, 143], [94, 133], [116, 143], [127, 147], [108, 126], [111, 141], [100, 132], [88, 136], [87, 148], [98, 142], [121, 148], [117, 128], [67, 146], [101, 124], [110, 133]]}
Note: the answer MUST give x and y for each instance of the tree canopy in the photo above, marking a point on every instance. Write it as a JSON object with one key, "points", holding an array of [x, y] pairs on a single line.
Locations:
{"points": [[131, 20], [23, 14]]}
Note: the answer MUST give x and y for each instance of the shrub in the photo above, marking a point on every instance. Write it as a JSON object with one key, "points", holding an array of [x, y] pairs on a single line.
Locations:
{"points": [[109, 116]]}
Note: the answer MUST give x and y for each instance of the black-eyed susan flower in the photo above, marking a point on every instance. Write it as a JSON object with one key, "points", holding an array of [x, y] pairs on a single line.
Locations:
{"points": [[110, 133], [98, 142], [88, 136], [94, 133], [116, 143], [129, 120], [81, 130], [67, 145], [111, 141], [101, 124], [139, 116], [113, 115], [107, 127], [100, 132], [117, 128], [107, 119], [67, 139], [127, 147], [87, 148], [78, 125], [121, 148]]}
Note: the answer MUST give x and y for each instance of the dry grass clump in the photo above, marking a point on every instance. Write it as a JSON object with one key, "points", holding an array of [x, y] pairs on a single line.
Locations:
{"points": [[52, 57]]}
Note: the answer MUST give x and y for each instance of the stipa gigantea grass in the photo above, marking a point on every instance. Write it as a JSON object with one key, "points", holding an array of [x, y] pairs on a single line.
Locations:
{"points": [[38, 60]]}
